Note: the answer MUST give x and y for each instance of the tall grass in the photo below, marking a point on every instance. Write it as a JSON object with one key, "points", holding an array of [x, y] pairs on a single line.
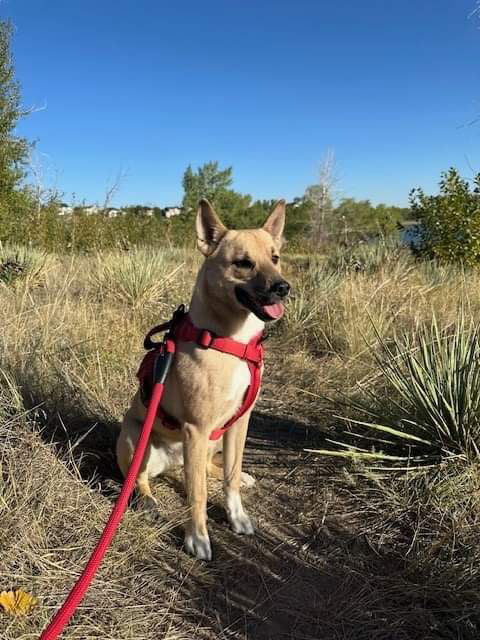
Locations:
{"points": [[69, 350], [369, 257]]}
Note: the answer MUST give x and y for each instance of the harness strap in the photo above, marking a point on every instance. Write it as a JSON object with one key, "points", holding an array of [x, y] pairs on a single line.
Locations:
{"points": [[251, 351], [181, 329], [248, 400], [179, 315]]}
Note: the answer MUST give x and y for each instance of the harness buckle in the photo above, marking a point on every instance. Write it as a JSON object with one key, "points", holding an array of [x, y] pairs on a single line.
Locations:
{"points": [[205, 339]]}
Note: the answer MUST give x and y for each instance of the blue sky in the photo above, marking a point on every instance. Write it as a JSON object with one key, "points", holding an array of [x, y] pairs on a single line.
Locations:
{"points": [[146, 87]]}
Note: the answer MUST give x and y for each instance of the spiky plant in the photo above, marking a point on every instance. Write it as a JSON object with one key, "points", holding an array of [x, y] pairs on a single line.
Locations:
{"points": [[310, 293], [369, 257], [426, 405], [22, 263], [135, 278]]}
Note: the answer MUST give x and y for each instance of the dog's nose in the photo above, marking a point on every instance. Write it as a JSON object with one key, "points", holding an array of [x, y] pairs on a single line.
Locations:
{"points": [[281, 288]]}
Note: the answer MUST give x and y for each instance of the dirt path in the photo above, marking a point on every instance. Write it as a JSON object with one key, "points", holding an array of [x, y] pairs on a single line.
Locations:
{"points": [[254, 586]]}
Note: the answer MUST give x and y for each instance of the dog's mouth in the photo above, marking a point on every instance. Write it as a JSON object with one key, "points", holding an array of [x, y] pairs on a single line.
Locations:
{"points": [[264, 311]]}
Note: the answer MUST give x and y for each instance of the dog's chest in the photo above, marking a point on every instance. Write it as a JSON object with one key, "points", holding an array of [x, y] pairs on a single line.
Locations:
{"points": [[239, 382]]}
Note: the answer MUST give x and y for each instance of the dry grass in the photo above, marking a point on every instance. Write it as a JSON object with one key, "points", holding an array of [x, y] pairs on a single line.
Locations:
{"points": [[341, 553]]}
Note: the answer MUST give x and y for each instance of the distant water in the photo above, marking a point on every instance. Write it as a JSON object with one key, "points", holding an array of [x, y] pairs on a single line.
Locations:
{"points": [[410, 236]]}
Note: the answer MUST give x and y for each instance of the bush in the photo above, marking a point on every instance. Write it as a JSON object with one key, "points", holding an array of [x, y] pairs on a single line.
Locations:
{"points": [[22, 263], [368, 257], [426, 406], [136, 278], [449, 222]]}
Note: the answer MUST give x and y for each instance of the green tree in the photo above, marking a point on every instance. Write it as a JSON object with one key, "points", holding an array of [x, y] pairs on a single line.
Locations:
{"points": [[449, 226], [361, 217], [214, 184], [207, 182], [298, 222], [13, 149]]}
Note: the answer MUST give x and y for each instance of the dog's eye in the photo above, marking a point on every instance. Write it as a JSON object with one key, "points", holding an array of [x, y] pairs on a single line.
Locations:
{"points": [[244, 263], [275, 259]]}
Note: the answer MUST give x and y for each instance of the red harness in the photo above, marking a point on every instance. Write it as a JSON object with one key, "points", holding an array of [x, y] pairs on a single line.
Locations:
{"points": [[181, 329]]}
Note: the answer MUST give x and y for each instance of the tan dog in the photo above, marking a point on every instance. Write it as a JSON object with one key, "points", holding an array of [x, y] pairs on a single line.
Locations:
{"points": [[238, 288]]}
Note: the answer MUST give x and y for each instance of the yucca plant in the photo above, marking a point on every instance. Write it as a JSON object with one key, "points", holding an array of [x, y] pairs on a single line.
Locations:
{"points": [[323, 282], [369, 257], [426, 405], [310, 293], [22, 263], [135, 278]]}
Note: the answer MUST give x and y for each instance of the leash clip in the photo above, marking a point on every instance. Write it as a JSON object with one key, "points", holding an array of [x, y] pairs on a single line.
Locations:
{"points": [[162, 364], [167, 327]]}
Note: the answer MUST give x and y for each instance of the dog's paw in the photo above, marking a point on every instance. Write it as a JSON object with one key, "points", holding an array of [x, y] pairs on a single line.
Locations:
{"points": [[198, 546], [148, 506], [239, 520], [242, 524], [246, 480]]}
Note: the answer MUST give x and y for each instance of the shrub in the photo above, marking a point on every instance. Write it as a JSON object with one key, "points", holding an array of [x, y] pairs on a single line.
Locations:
{"points": [[368, 257], [426, 406], [449, 222], [18, 262], [135, 278]]}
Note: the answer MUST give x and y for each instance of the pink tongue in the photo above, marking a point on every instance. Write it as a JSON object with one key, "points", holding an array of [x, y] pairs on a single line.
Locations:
{"points": [[274, 311]]}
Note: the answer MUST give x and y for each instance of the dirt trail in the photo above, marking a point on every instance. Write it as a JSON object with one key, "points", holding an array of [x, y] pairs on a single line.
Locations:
{"points": [[266, 586]]}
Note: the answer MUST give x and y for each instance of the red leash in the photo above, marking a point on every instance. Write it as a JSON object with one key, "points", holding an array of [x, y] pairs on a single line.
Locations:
{"points": [[76, 595]]}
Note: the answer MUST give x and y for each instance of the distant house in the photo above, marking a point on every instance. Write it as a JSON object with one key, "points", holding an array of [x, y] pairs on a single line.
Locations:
{"points": [[296, 202], [170, 212], [111, 212], [90, 210], [65, 210]]}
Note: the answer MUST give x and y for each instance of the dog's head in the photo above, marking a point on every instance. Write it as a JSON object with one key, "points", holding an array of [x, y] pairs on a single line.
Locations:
{"points": [[242, 268]]}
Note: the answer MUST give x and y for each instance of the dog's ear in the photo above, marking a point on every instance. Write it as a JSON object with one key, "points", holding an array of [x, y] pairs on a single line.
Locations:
{"points": [[276, 221], [210, 229]]}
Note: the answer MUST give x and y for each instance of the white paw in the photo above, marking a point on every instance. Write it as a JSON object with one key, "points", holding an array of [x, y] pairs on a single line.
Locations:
{"points": [[198, 546], [237, 517], [246, 480], [242, 524]]}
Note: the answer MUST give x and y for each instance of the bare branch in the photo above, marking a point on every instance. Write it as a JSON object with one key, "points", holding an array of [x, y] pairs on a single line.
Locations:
{"points": [[322, 196], [114, 187]]}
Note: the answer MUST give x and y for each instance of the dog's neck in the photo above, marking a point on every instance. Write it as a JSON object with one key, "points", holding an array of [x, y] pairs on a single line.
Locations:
{"points": [[221, 319]]}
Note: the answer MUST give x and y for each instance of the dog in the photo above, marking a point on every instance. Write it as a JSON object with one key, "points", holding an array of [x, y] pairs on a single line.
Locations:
{"points": [[239, 288]]}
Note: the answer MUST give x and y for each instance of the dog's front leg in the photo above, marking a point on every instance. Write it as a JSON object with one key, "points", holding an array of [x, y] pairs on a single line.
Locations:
{"points": [[195, 450], [234, 444]]}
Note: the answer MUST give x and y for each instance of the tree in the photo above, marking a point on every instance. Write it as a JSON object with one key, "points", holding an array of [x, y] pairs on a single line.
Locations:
{"points": [[321, 196], [214, 184], [13, 149], [361, 218], [207, 182], [449, 226]]}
